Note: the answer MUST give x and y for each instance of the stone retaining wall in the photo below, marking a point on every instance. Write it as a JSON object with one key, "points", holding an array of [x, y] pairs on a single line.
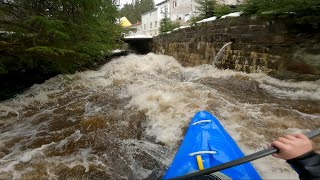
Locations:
{"points": [[284, 51]]}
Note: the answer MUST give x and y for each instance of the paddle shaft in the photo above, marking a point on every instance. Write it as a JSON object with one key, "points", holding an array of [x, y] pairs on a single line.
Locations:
{"points": [[251, 157]]}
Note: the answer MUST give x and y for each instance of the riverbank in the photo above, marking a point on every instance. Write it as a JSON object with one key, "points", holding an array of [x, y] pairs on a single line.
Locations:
{"points": [[18, 80]]}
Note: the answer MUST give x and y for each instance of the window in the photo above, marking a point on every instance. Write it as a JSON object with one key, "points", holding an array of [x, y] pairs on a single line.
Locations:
{"points": [[155, 24], [150, 25], [174, 4]]}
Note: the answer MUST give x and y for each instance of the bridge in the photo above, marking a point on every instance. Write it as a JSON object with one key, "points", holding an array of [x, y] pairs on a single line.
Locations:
{"points": [[139, 44]]}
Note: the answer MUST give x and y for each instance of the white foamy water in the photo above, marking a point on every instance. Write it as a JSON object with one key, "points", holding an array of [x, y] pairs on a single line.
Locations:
{"points": [[127, 119]]}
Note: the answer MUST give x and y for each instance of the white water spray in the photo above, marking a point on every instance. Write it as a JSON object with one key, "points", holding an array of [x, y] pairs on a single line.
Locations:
{"points": [[220, 53], [127, 119]]}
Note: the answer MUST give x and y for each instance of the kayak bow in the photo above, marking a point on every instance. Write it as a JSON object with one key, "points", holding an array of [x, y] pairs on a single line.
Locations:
{"points": [[205, 145]]}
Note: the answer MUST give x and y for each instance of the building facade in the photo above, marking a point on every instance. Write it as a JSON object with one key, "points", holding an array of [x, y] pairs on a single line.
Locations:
{"points": [[135, 29], [151, 20], [167, 8], [176, 10], [163, 9], [182, 10], [150, 23], [124, 22]]}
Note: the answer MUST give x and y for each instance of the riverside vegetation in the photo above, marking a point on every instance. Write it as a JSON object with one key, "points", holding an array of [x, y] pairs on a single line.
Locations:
{"points": [[301, 12], [40, 39], [306, 12]]}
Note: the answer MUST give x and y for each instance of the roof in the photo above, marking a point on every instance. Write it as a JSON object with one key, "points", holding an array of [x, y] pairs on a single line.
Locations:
{"points": [[162, 2], [136, 24], [154, 9], [125, 22]]}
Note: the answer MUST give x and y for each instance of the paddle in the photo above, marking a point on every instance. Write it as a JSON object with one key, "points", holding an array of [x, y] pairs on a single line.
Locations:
{"points": [[251, 157]]}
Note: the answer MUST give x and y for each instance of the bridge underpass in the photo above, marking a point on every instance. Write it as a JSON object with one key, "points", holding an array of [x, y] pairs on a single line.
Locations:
{"points": [[139, 44]]}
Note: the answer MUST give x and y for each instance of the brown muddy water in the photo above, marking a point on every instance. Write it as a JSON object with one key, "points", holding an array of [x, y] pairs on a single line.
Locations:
{"points": [[126, 120]]}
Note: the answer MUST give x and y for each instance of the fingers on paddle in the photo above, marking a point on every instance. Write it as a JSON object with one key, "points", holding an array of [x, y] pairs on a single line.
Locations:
{"points": [[301, 136], [284, 140], [279, 145], [290, 137], [275, 155]]}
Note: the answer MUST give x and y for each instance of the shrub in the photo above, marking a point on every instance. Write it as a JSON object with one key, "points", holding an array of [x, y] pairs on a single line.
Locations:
{"points": [[167, 25], [298, 11], [222, 9]]}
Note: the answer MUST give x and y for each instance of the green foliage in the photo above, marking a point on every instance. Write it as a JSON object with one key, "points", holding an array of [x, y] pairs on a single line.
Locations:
{"points": [[167, 25], [54, 35], [222, 9], [3, 69], [300, 11], [195, 19], [210, 8], [206, 8], [133, 11], [45, 50], [46, 31], [59, 60]]}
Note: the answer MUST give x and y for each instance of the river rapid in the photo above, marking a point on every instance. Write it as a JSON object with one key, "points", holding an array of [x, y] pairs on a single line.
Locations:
{"points": [[126, 120]]}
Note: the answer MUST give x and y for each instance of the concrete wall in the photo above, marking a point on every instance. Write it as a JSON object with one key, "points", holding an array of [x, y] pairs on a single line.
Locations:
{"points": [[272, 47]]}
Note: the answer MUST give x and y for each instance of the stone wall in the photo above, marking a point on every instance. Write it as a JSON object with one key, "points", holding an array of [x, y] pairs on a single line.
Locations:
{"points": [[278, 49]]}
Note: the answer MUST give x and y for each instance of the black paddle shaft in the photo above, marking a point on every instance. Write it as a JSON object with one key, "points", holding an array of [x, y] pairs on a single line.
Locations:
{"points": [[251, 157]]}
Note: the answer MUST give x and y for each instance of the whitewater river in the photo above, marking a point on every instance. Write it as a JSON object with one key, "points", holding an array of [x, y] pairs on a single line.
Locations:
{"points": [[126, 120]]}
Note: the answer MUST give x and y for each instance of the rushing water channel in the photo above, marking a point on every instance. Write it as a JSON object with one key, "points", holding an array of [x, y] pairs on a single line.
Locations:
{"points": [[126, 120]]}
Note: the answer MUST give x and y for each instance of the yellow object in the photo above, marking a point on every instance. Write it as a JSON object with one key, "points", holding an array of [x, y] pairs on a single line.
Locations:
{"points": [[200, 163], [124, 22]]}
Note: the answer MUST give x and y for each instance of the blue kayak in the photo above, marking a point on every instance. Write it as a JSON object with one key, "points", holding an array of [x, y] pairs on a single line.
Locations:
{"points": [[205, 145]]}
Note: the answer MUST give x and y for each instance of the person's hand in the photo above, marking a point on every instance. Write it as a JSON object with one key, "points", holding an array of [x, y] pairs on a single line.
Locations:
{"points": [[292, 146]]}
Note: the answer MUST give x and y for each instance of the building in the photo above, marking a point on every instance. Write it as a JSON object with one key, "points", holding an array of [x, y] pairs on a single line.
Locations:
{"points": [[150, 23], [136, 29], [151, 20], [124, 22], [176, 10], [163, 9], [182, 10]]}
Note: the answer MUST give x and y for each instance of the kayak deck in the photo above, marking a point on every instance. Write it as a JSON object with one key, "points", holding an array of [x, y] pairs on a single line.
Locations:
{"points": [[207, 141]]}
